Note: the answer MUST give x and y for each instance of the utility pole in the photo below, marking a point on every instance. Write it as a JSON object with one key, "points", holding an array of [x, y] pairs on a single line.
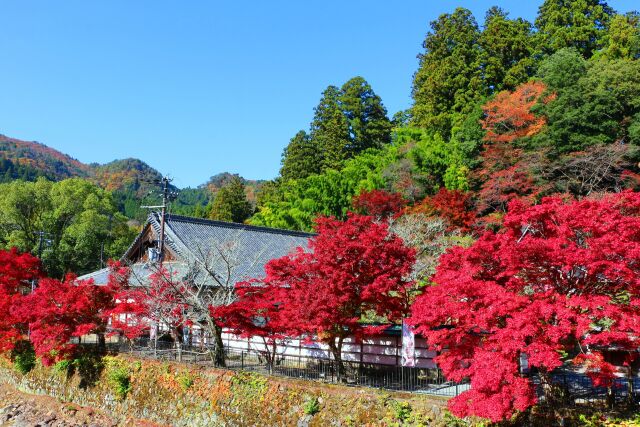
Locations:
{"points": [[165, 196]]}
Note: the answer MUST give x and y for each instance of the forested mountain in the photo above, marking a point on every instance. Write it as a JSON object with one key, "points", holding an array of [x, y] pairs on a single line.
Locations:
{"points": [[28, 160], [501, 110], [132, 182]]}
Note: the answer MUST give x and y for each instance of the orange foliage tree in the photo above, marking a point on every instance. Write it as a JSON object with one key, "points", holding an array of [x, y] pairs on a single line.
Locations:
{"points": [[509, 115]]}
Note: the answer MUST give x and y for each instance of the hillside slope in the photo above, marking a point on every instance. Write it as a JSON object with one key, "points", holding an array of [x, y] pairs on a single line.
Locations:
{"points": [[132, 181], [29, 159]]}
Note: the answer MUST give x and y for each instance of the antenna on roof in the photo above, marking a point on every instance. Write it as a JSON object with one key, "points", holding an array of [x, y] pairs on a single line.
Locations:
{"points": [[166, 197]]}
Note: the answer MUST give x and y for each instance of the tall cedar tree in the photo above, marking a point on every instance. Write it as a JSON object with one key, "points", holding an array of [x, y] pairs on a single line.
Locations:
{"points": [[231, 203], [369, 126], [347, 121], [448, 82], [508, 50], [330, 130], [559, 279], [301, 158], [581, 24], [353, 268]]}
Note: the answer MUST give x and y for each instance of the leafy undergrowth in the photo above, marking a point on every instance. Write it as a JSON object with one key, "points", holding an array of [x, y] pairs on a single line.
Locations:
{"points": [[178, 394], [592, 415], [200, 396]]}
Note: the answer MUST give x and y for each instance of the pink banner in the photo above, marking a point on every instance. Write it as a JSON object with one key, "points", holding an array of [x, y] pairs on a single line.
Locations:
{"points": [[408, 346]]}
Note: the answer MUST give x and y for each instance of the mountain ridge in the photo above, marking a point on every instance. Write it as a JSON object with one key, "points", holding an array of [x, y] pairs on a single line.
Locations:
{"points": [[132, 180]]}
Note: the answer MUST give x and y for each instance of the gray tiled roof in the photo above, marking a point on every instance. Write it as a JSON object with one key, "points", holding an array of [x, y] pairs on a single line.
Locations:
{"points": [[140, 271], [248, 247]]}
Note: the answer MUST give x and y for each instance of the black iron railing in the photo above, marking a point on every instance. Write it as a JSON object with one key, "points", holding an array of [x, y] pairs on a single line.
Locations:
{"points": [[355, 373]]}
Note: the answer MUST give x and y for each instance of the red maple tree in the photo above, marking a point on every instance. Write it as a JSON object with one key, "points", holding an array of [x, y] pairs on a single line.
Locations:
{"points": [[17, 271], [378, 203], [257, 313], [454, 206], [156, 300], [58, 311], [353, 268], [129, 314], [505, 185], [559, 277]]}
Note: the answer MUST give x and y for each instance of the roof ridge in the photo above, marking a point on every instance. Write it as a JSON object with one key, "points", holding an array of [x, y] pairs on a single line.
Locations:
{"points": [[236, 225]]}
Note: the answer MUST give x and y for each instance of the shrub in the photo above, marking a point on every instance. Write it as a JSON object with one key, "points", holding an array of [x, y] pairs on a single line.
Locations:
{"points": [[63, 366], [185, 380], [118, 376], [23, 357], [120, 379], [89, 366], [311, 406]]}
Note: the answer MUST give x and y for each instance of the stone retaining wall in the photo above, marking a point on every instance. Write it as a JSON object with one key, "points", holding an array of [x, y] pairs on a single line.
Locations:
{"points": [[180, 395]]}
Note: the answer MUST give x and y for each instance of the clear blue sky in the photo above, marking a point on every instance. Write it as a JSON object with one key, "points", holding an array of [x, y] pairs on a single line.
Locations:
{"points": [[199, 87]]}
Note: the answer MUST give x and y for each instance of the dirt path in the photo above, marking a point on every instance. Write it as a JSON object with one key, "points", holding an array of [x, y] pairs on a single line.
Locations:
{"points": [[19, 409]]}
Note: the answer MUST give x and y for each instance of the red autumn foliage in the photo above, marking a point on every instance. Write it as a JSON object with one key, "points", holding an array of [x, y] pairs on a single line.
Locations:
{"points": [[602, 373], [128, 315], [559, 277], [506, 185], [16, 271], [509, 117], [257, 313], [58, 311], [455, 206], [354, 267], [502, 178], [153, 300], [378, 203]]}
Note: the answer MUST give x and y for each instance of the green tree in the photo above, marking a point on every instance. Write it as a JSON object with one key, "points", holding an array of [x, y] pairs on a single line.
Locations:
{"points": [[231, 203], [563, 69], [300, 158], [507, 51], [416, 163], [369, 126], [596, 108], [623, 38], [634, 130], [330, 130], [448, 82], [581, 24], [78, 221]]}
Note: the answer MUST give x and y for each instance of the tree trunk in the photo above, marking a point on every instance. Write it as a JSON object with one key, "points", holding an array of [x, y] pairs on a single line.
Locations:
{"points": [[272, 356], [336, 350], [218, 356], [102, 343], [631, 400], [176, 334]]}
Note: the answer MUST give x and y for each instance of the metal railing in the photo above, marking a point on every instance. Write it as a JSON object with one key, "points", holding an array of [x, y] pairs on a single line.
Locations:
{"points": [[353, 373], [573, 388], [576, 388]]}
